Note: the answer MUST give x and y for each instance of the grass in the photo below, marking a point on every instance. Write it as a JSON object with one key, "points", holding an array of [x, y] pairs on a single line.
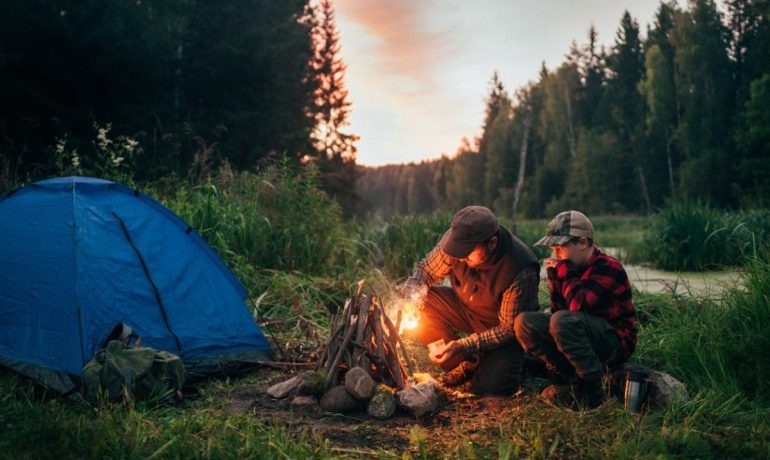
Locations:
{"points": [[690, 236], [298, 259]]}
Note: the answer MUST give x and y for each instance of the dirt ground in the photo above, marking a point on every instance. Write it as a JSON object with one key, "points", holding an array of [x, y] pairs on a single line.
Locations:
{"points": [[462, 415]]}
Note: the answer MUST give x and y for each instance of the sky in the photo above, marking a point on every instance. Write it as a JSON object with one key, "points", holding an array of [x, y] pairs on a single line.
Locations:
{"points": [[418, 71]]}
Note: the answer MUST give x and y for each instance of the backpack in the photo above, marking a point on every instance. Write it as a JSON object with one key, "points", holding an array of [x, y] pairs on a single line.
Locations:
{"points": [[123, 371]]}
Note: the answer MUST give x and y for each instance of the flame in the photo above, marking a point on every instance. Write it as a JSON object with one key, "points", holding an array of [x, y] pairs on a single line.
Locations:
{"points": [[410, 316]]}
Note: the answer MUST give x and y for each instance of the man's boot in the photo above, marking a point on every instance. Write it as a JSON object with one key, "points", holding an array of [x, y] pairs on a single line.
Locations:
{"points": [[460, 374]]}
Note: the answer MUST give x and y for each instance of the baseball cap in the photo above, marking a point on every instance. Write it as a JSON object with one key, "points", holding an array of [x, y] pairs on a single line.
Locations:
{"points": [[566, 226], [470, 226]]}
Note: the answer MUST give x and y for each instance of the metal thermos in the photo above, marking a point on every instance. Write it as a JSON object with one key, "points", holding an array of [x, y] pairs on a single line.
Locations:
{"points": [[635, 391]]}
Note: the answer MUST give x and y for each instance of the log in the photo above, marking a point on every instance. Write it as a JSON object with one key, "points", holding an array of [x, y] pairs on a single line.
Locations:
{"points": [[331, 372], [394, 332], [363, 316]]}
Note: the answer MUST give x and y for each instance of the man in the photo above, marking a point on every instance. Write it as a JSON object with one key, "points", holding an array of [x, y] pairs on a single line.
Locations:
{"points": [[593, 322], [493, 277]]}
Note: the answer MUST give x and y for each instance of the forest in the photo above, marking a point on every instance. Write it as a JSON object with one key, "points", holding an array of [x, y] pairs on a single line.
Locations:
{"points": [[141, 90], [676, 111]]}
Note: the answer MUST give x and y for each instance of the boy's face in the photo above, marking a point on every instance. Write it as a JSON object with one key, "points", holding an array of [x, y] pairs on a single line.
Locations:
{"points": [[576, 252]]}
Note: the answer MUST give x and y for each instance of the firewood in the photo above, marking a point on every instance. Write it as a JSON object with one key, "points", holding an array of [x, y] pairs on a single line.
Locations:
{"points": [[363, 316], [394, 333], [331, 371]]}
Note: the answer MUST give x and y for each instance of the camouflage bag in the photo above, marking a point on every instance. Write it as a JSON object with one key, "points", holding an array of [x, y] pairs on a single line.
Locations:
{"points": [[122, 371]]}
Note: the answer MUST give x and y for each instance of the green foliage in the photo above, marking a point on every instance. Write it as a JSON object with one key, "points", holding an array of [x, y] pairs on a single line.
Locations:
{"points": [[174, 75], [277, 220], [280, 234], [688, 235], [35, 428], [753, 139], [396, 246], [713, 346]]}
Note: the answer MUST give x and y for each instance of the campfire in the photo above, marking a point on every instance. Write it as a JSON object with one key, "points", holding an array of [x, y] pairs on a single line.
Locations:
{"points": [[365, 362], [364, 336]]}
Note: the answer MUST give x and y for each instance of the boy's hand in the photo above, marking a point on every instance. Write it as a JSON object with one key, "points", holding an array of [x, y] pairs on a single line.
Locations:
{"points": [[550, 262]]}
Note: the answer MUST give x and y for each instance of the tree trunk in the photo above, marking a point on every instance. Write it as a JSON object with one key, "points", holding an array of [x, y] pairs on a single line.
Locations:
{"points": [[570, 128], [522, 169], [645, 193], [670, 167]]}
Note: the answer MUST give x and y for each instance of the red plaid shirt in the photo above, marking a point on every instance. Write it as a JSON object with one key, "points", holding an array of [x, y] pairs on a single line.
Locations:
{"points": [[599, 288]]}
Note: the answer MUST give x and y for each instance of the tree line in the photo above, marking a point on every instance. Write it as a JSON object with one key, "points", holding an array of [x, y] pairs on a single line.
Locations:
{"points": [[172, 87], [682, 111]]}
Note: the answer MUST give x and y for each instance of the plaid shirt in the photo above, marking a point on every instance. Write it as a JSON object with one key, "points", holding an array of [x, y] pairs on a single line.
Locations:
{"points": [[599, 288], [520, 296]]}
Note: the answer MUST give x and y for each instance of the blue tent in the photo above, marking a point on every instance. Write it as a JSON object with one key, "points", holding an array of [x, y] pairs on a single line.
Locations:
{"points": [[79, 256]]}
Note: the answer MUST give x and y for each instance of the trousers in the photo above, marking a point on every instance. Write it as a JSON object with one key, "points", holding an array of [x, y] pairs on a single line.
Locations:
{"points": [[571, 344], [444, 315]]}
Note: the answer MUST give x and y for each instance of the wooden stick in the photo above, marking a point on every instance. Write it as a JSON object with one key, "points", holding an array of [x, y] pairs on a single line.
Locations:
{"points": [[399, 315], [363, 316], [391, 356], [407, 358], [332, 371], [378, 333]]}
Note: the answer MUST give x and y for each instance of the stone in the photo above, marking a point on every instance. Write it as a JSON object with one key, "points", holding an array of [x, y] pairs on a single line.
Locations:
{"points": [[282, 389], [421, 398], [360, 384], [382, 405], [664, 389], [338, 400], [311, 383], [305, 403]]}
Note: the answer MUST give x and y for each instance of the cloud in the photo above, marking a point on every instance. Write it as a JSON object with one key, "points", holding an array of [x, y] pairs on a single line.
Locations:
{"points": [[403, 56], [402, 35]]}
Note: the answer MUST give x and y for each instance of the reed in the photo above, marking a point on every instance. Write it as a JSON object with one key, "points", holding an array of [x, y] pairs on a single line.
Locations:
{"points": [[690, 236]]}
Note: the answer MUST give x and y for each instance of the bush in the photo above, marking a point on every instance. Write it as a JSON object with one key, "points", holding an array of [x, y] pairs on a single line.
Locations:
{"points": [[277, 220], [690, 236]]}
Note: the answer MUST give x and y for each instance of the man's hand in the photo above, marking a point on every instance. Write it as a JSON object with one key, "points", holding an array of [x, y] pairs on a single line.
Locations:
{"points": [[449, 353]]}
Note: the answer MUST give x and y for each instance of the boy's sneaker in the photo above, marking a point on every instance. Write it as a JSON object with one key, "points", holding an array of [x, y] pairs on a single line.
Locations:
{"points": [[460, 374], [585, 395], [592, 393], [560, 394]]}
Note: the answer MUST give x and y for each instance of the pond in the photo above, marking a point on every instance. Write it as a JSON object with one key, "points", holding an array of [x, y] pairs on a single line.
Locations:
{"points": [[703, 284]]}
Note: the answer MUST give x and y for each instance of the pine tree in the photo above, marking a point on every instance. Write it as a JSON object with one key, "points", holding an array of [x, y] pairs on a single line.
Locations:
{"points": [[662, 105], [704, 86], [336, 148], [626, 69]]}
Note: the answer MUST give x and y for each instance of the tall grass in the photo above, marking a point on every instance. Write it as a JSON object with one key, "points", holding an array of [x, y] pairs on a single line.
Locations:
{"points": [[396, 246], [714, 345], [279, 219], [690, 236]]}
